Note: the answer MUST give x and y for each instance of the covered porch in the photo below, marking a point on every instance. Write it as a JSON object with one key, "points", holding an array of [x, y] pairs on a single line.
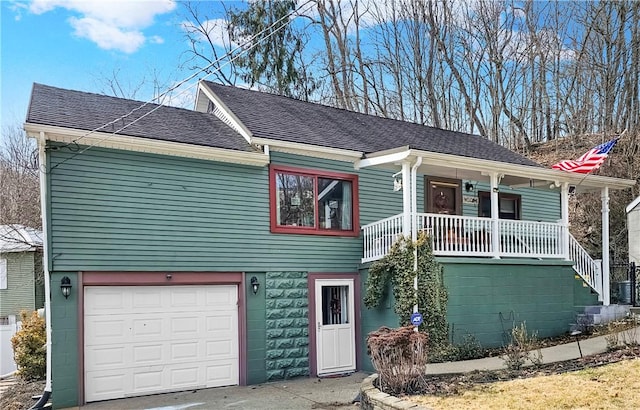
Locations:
{"points": [[499, 230]]}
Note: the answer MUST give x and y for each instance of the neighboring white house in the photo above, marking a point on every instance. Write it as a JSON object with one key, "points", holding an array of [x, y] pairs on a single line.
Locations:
{"points": [[633, 225]]}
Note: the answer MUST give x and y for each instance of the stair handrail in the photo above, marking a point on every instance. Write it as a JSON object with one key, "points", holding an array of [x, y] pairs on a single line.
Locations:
{"points": [[588, 268]]}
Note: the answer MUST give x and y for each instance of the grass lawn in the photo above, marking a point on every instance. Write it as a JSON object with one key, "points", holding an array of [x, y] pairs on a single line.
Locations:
{"points": [[613, 386]]}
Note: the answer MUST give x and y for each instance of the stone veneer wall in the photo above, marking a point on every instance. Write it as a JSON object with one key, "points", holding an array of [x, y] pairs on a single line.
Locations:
{"points": [[287, 312]]}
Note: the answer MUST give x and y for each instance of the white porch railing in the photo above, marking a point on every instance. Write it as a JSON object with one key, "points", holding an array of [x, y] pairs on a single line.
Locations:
{"points": [[590, 270], [379, 236], [454, 235]]}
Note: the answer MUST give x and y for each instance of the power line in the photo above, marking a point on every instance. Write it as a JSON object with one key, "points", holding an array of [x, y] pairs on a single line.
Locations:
{"points": [[244, 48]]}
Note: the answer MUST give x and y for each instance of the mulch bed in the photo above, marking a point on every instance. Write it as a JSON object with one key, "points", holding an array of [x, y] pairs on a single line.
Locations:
{"points": [[18, 396], [454, 384]]}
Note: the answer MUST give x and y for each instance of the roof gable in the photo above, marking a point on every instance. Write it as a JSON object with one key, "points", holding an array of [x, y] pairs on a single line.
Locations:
{"points": [[286, 119]]}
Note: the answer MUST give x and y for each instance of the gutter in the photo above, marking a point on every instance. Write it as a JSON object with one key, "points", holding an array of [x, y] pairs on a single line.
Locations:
{"points": [[42, 164]]}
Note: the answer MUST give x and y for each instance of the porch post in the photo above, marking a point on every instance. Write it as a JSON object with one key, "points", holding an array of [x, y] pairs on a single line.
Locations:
{"points": [[495, 216], [605, 246], [564, 205], [406, 198]]}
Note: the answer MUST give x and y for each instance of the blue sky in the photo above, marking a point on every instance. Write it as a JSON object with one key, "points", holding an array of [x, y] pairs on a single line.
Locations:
{"points": [[76, 44]]}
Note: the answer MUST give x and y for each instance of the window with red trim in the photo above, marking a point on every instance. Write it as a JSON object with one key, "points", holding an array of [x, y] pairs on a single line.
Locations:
{"points": [[313, 202]]}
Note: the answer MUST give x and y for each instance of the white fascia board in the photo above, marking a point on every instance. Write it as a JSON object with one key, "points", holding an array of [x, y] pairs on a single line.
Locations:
{"points": [[523, 171], [308, 149], [138, 144], [230, 117], [633, 204], [387, 152], [388, 158]]}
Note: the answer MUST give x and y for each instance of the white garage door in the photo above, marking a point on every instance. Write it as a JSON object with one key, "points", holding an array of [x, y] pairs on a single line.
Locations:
{"points": [[149, 339]]}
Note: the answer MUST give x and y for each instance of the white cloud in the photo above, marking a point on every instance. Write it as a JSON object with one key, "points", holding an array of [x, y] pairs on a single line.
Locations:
{"points": [[113, 24], [106, 36], [214, 29]]}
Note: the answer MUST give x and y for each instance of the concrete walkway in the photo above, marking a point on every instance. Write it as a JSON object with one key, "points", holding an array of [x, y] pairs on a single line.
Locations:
{"points": [[327, 394], [552, 354]]}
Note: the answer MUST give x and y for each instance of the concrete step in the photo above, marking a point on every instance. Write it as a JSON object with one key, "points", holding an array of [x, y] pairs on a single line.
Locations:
{"points": [[587, 316]]}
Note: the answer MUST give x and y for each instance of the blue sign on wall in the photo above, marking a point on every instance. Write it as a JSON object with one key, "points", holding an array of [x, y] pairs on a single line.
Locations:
{"points": [[416, 319]]}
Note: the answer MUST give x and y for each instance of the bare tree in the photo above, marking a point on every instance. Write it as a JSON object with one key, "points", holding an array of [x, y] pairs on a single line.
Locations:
{"points": [[19, 183]]}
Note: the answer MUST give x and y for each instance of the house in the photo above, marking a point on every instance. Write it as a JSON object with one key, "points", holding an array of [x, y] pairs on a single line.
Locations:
{"points": [[230, 244], [21, 275], [21, 283]]}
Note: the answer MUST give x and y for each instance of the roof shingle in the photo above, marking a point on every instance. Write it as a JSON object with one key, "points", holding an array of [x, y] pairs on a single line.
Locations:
{"points": [[86, 111], [286, 119]]}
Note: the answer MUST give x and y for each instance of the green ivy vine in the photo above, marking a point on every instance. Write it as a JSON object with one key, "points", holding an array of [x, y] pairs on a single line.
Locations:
{"points": [[396, 268]]}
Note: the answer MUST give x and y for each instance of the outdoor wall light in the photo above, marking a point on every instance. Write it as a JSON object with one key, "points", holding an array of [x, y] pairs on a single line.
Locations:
{"points": [[255, 285], [65, 286], [468, 186]]}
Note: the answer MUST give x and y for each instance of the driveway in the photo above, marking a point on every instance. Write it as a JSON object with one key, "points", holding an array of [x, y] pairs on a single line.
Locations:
{"points": [[297, 394]]}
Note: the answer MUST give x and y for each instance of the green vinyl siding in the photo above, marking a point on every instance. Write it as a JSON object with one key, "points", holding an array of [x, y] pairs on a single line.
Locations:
{"points": [[119, 210], [537, 204], [20, 293]]}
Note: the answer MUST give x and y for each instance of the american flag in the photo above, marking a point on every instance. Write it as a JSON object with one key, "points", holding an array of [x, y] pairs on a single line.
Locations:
{"points": [[590, 161]]}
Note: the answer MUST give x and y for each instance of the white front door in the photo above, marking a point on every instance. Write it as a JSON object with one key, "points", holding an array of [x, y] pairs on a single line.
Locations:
{"points": [[335, 326]]}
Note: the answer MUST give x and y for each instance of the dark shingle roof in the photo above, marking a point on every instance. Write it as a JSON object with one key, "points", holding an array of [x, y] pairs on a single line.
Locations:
{"points": [[87, 111], [286, 119]]}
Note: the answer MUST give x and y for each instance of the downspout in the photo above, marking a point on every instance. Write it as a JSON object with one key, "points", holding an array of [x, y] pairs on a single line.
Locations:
{"points": [[564, 205], [42, 165], [406, 199], [414, 229], [605, 246]]}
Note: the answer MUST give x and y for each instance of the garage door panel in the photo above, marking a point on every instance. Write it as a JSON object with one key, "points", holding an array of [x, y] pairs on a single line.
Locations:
{"points": [[220, 374], [107, 385], [185, 326], [222, 349], [150, 298], [220, 322], [151, 354], [185, 376], [148, 380], [104, 301], [134, 347], [185, 298], [109, 357], [185, 351], [107, 330], [146, 327], [220, 298]]}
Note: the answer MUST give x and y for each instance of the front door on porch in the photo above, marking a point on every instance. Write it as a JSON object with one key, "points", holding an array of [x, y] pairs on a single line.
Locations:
{"points": [[335, 326], [443, 196]]}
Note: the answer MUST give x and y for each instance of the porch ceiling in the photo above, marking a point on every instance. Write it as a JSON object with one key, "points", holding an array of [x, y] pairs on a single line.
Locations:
{"points": [[514, 175]]}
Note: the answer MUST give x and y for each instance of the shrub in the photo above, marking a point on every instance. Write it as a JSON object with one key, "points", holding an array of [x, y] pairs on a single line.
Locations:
{"points": [[29, 347], [467, 348], [400, 359], [397, 269], [523, 347]]}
